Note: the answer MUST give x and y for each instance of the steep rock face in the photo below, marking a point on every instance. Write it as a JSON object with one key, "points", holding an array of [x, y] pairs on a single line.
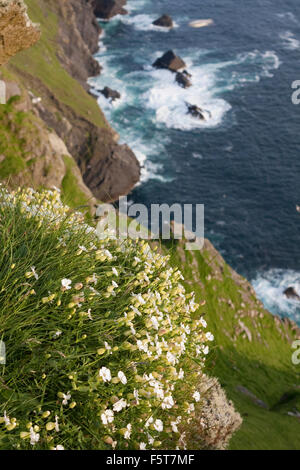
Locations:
{"points": [[74, 115], [108, 8], [32, 155], [17, 32], [78, 38]]}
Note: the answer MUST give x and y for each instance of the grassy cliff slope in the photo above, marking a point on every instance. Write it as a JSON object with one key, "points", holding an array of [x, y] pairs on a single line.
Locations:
{"points": [[252, 356]]}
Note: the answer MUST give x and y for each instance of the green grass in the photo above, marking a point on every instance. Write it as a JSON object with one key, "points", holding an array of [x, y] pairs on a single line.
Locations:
{"points": [[41, 63], [71, 193], [16, 127], [73, 307], [263, 365]]}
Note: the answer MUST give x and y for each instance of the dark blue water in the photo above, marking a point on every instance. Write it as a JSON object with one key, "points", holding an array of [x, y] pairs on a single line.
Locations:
{"points": [[243, 164]]}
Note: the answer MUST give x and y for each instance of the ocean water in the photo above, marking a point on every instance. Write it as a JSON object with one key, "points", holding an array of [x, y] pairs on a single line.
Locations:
{"points": [[243, 164]]}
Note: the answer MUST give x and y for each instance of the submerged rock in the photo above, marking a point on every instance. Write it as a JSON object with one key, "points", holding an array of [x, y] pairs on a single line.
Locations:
{"points": [[291, 293], [170, 61], [183, 79], [110, 94], [164, 21]]}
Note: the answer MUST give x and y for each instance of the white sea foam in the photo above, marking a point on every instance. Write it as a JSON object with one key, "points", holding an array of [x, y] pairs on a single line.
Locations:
{"points": [[144, 23], [267, 62], [270, 287], [169, 101], [289, 40], [288, 16]]}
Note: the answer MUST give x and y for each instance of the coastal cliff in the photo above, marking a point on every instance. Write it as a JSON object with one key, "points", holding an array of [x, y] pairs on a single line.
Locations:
{"points": [[53, 132], [56, 70]]}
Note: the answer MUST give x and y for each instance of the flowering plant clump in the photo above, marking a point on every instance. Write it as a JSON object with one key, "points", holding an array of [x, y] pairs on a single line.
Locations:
{"points": [[104, 348]]}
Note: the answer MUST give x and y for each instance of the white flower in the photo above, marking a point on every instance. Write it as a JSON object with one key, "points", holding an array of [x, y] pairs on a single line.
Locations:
{"points": [[107, 346], [143, 445], [115, 285], [174, 426], [56, 424], [89, 314], [171, 358], [83, 248], [206, 350], [107, 417], [59, 447], [158, 425], [57, 334], [181, 374], [191, 408], [209, 336], [155, 322], [105, 374], [66, 398], [122, 377], [119, 405], [148, 422], [66, 284], [6, 419], [203, 322], [115, 272], [196, 396], [34, 437], [34, 272], [167, 403], [127, 433]]}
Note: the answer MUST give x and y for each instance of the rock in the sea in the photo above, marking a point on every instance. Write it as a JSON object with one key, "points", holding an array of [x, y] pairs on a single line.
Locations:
{"points": [[106, 9], [196, 112], [291, 293], [183, 79], [170, 61], [164, 21], [110, 94]]}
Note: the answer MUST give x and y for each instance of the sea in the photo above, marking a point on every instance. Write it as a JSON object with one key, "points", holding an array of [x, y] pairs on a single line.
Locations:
{"points": [[243, 163]]}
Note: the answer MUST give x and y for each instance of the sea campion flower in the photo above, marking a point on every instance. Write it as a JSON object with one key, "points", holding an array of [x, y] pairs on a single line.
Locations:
{"points": [[66, 284], [34, 437], [66, 397], [107, 417], [122, 377], [125, 349], [127, 433], [158, 425], [210, 336], [119, 405], [105, 374]]}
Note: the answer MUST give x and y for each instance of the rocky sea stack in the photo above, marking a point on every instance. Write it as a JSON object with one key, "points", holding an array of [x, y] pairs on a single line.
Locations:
{"points": [[165, 21], [170, 61], [106, 9]]}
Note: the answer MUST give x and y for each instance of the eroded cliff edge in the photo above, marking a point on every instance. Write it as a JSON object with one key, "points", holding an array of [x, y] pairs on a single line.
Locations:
{"points": [[55, 71]]}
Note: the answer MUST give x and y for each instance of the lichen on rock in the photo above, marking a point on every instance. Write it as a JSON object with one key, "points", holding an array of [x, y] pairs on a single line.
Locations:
{"points": [[17, 32]]}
